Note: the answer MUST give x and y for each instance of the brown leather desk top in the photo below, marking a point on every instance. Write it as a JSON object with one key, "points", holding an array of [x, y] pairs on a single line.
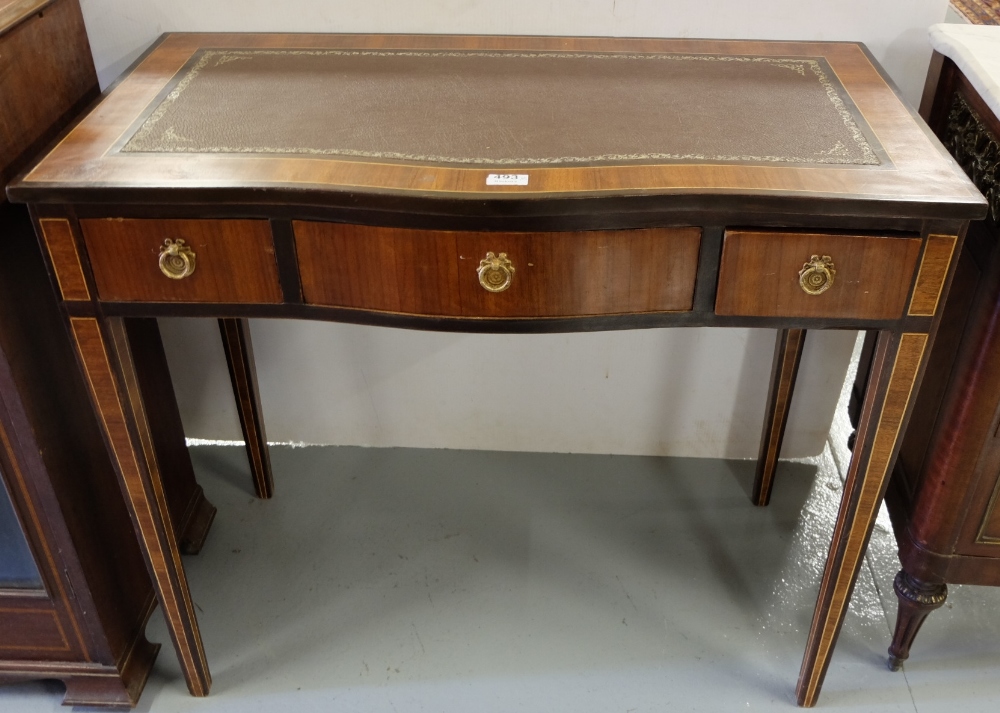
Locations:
{"points": [[308, 116], [508, 108]]}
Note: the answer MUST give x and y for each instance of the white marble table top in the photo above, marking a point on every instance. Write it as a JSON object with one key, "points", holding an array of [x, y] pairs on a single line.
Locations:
{"points": [[975, 49]]}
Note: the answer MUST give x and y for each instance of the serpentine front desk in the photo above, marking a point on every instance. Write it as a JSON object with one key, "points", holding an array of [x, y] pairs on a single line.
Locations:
{"points": [[502, 184]]}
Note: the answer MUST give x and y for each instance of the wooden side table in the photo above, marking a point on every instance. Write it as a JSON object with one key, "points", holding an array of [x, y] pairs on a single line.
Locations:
{"points": [[810, 198]]}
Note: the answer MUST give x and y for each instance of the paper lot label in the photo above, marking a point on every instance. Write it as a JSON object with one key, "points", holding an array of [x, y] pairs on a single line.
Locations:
{"points": [[507, 179]]}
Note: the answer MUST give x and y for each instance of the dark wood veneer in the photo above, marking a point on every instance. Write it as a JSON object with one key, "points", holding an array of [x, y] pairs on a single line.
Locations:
{"points": [[234, 260], [759, 275], [555, 274]]}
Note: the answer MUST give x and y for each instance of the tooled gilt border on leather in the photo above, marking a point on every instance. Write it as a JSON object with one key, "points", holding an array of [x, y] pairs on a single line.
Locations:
{"points": [[837, 154]]}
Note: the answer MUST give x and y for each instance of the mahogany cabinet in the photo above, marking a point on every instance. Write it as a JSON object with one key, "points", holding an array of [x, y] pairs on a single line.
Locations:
{"points": [[75, 606], [74, 590], [944, 493]]}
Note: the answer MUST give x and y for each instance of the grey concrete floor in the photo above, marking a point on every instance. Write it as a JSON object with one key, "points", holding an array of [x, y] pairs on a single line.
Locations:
{"points": [[404, 580]]}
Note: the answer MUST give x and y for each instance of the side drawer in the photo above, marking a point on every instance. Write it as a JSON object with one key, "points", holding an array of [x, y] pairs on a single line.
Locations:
{"points": [[553, 274], [760, 274], [233, 260]]}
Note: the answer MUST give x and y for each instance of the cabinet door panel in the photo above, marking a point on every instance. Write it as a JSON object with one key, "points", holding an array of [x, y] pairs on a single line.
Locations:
{"points": [[17, 565]]}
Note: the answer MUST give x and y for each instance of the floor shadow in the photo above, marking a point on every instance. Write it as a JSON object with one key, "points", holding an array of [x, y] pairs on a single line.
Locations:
{"points": [[228, 464], [793, 478]]}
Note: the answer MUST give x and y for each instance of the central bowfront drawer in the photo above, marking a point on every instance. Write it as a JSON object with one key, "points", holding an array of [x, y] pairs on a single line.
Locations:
{"points": [[477, 274], [792, 274], [212, 260]]}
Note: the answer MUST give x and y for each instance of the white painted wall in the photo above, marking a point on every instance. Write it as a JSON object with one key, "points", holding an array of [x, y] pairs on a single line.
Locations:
{"points": [[895, 30], [671, 392]]}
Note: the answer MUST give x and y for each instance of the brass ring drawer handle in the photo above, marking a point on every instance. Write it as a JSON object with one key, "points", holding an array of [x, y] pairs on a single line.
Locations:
{"points": [[816, 276], [495, 272], [176, 259]]}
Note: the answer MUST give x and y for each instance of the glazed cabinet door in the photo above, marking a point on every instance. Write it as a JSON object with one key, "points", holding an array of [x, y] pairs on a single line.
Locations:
{"points": [[36, 619], [18, 571]]}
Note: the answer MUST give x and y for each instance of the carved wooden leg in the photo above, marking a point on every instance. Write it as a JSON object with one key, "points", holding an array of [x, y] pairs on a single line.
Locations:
{"points": [[243, 373], [917, 599], [895, 367], [787, 353], [104, 353]]}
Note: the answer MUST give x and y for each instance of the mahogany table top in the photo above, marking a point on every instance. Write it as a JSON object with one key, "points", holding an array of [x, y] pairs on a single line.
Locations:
{"points": [[297, 118]]}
